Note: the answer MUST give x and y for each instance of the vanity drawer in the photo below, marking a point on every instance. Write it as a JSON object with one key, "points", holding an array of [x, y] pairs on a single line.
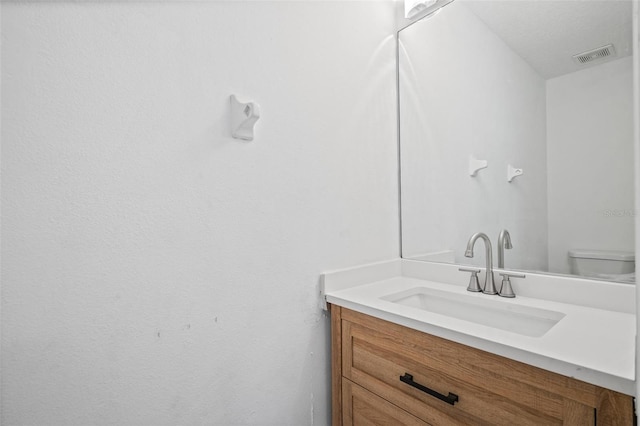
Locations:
{"points": [[363, 407], [490, 389]]}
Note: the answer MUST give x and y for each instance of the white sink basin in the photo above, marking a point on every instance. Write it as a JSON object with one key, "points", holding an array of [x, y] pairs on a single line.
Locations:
{"points": [[480, 309]]}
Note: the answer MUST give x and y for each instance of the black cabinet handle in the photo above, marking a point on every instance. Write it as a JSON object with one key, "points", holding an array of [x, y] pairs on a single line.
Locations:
{"points": [[449, 399]]}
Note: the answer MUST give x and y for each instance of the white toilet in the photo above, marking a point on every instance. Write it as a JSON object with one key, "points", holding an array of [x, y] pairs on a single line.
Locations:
{"points": [[605, 264]]}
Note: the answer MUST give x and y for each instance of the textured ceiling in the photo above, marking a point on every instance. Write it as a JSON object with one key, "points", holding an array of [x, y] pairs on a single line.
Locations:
{"points": [[547, 33]]}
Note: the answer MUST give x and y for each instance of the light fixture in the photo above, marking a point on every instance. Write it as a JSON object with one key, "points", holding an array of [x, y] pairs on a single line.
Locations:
{"points": [[413, 8]]}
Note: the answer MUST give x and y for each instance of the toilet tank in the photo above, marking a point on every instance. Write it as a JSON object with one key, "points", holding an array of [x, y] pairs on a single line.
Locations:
{"points": [[601, 263]]}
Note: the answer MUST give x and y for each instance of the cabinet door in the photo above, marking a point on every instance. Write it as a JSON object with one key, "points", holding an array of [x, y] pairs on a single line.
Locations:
{"points": [[361, 407]]}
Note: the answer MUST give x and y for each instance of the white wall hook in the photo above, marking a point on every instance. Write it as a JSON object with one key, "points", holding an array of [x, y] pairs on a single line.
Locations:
{"points": [[513, 172], [475, 165], [244, 115]]}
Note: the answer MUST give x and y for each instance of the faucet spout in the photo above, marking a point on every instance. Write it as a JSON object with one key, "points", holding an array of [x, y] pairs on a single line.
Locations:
{"points": [[504, 242], [489, 283]]}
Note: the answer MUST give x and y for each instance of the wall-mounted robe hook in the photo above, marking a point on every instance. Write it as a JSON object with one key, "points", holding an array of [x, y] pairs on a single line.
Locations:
{"points": [[475, 165], [513, 173], [244, 115]]}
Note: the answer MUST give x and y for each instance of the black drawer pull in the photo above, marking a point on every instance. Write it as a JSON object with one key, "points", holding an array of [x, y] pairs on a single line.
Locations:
{"points": [[449, 399]]}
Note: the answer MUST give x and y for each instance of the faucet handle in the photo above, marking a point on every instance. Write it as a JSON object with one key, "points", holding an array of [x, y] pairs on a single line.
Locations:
{"points": [[474, 284], [506, 290]]}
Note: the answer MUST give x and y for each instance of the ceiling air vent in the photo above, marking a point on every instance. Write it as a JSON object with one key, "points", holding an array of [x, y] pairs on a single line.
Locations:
{"points": [[595, 54]]}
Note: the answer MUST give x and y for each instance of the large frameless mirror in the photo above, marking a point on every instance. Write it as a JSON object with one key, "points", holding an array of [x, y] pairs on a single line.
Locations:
{"points": [[518, 115]]}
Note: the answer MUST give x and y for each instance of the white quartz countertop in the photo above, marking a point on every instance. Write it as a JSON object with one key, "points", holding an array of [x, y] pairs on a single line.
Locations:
{"points": [[589, 343]]}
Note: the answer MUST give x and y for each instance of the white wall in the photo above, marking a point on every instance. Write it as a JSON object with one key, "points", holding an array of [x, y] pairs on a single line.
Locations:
{"points": [[487, 103], [590, 161], [636, 162], [155, 270]]}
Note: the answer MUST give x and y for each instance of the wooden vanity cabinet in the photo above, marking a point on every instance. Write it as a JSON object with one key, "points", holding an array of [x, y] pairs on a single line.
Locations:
{"points": [[447, 383]]}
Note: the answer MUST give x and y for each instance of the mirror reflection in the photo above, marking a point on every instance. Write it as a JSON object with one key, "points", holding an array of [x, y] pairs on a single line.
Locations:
{"points": [[518, 116]]}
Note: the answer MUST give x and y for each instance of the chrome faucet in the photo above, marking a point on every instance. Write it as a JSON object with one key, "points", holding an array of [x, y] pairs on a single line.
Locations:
{"points": [[489, 283], [504, 242]]}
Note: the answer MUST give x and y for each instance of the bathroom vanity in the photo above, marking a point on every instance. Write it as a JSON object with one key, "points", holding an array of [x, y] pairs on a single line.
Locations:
{"points": [[502, 147], [402, 363]]}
